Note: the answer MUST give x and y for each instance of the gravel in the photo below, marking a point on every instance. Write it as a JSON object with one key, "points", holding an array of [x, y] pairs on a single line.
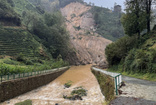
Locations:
{"points": [[136, 92]]}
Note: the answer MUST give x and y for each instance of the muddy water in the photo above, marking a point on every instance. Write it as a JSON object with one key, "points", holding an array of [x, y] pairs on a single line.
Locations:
{"points": [[53, 92]]}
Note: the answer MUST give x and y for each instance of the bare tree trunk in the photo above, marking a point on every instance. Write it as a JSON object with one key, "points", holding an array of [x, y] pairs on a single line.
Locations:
{"points": [[148, 11], [137, 14]]}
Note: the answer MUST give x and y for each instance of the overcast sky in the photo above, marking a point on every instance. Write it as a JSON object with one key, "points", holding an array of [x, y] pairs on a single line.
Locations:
{"points": [[106, 3]]}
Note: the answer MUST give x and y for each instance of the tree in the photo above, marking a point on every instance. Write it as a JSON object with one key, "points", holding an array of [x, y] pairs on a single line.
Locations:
{"points": [[52, 33], [148, 4], [137, 17], [134, 21], [30, 19]]}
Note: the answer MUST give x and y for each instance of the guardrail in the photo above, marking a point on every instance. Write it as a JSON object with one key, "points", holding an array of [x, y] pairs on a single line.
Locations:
{"points": [[8, 77], [116, 76]]}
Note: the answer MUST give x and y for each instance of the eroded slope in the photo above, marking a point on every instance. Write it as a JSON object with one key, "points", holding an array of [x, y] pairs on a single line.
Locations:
{"points": [[89, 46]]}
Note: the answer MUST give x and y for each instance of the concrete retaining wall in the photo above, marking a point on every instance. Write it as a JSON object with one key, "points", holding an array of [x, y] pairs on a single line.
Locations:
{"points": [[11, 89], [106, 83]]}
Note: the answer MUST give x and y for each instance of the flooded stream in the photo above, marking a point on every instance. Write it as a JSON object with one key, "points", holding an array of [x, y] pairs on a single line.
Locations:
{"points": [[53, 92]]}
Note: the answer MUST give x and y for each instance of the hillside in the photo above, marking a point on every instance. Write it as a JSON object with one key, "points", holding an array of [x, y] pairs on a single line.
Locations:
{"points": [[7, 15], [29, 37], [14, 38], [134, 57], [17, 42], [107, 23], [42, 20], [135, 54], [88, 45]]}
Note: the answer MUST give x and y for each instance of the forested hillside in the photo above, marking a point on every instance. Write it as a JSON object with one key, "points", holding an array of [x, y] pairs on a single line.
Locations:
{"points": [[34, 32], [108, 23], [7, 15], [30, 35]]}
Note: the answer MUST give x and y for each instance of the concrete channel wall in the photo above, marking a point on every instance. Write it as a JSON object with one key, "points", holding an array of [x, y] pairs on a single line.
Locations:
{"points": [[13, 88], [116, 76]]}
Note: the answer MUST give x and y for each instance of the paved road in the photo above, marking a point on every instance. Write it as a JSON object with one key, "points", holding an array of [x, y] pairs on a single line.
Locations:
{"points": [[136, 92]]}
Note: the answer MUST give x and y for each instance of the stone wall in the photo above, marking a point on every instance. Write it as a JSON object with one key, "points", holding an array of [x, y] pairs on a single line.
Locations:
{"points": [[11, 89]]}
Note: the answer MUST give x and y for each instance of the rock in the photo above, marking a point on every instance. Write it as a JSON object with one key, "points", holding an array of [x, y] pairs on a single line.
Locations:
{"points": [[76, 97], [122, 84], [120, 91], [8, 102], [103, 65]]}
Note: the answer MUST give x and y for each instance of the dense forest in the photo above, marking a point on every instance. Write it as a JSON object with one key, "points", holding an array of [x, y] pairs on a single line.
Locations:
{"points": [[135, 53]]}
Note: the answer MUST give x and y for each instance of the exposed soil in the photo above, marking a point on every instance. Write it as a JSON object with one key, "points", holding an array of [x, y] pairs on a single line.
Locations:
{"points": [[89, 46], [54, 91], [136, 92]]}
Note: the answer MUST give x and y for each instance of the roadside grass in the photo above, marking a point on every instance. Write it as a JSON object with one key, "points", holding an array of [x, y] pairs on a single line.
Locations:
{"points": [[144, 76], [26, 102]]}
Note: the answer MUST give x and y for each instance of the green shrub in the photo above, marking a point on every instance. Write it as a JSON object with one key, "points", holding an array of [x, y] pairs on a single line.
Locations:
{"points": [[118, 50], [76, 94], [79, 91], [73, 15], [28, 62], [140, 61], [68, 84], [9, 61], [4, 69], [11, 69]]}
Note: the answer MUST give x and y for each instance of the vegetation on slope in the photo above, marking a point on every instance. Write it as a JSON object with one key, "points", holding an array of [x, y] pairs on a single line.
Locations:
{"points": [[7, 15], [31, 36], [107, 23], [63, 3], [134, 54], [12, 66], [124, 56]]}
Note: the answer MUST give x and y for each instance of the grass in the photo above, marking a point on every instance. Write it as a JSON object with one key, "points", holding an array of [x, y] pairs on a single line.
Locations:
{"points": [[147, 76], [26, 102], [144, 76]]}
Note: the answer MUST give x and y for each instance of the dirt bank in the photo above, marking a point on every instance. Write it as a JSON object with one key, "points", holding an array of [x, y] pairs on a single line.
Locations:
{"points": [[54, 91]]}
